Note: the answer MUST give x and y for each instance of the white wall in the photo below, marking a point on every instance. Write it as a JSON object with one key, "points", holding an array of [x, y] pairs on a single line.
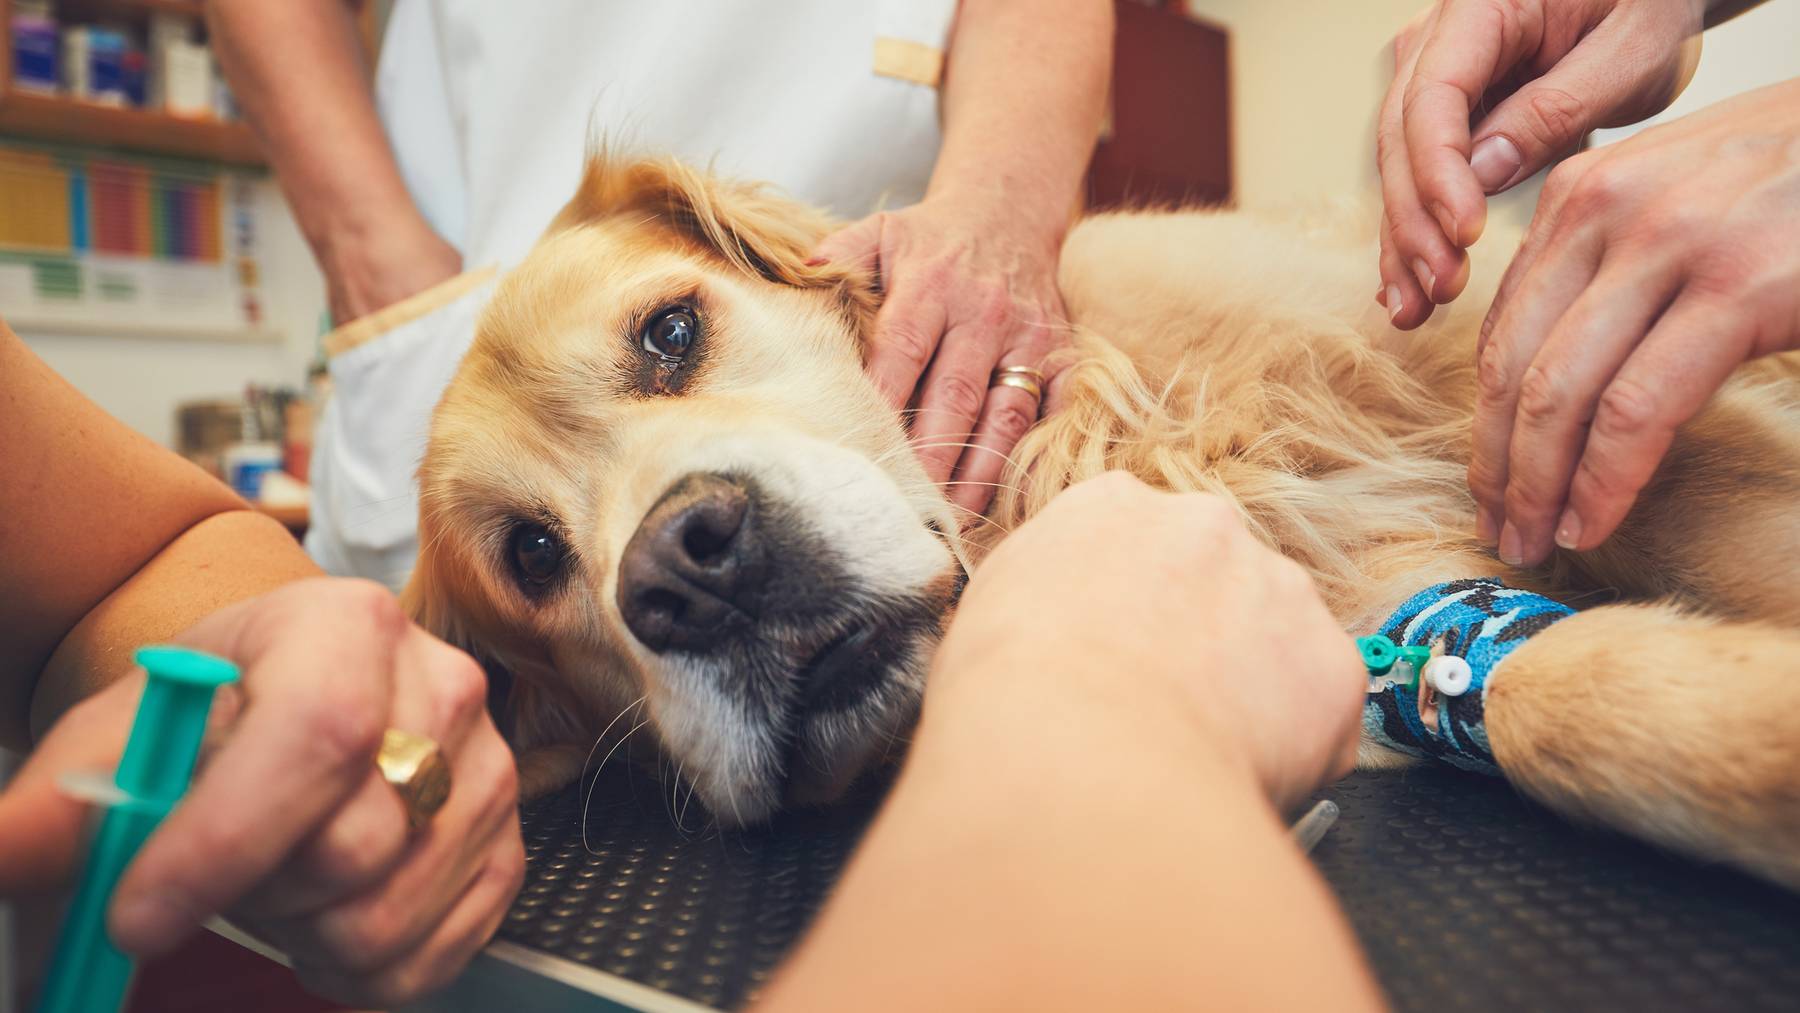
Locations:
{"points": [[141, 380]]}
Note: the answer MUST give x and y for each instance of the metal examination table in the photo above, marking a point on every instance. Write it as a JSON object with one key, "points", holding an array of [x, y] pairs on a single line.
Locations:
{"points": [[1465, 896]]}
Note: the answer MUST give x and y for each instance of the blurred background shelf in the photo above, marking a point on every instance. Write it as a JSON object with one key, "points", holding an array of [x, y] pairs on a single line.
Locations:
{"points": [[34, 113], [55, 118]]}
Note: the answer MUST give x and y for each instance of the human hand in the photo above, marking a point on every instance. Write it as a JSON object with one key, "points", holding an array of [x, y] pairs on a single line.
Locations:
{"points": [[1177, 609], [1532, 77], [377, 266], [970, 286], [289, 829], [1653, 268]]}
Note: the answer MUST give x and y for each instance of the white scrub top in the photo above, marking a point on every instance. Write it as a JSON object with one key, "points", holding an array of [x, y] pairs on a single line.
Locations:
{"points": [[490, 109]]}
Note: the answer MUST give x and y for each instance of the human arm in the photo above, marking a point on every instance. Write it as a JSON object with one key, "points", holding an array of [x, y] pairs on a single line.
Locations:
{"points": [[110, 542], [970, 271], [296, 70], [1091, 814], [1653, 268]]}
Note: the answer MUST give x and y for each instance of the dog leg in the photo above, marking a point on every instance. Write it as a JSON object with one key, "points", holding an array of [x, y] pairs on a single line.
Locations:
{"points": [[1681, 729]]}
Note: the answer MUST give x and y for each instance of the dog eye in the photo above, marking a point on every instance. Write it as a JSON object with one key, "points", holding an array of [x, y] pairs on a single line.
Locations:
{"points": [[537, 553], [671, 333]]}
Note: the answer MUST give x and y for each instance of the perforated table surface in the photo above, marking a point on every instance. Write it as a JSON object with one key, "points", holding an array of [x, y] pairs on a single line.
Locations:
{"points": [[1465, 896]]}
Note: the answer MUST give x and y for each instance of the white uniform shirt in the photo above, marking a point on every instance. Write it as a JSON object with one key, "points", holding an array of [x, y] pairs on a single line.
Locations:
{"points": [[490, 109]]}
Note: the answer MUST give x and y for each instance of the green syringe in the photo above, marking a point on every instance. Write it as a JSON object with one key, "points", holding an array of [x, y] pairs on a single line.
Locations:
{"points": [[89, 974]]}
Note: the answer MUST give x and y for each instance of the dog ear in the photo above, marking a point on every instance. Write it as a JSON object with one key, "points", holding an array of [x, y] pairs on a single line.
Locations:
{"points": [[748, 226]]}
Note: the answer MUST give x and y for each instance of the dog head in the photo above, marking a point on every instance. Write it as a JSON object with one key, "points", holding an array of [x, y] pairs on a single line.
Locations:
{"points": [[660, 479]]}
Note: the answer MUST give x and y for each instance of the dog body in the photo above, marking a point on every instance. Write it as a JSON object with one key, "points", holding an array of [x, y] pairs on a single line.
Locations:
{"points": [[662, 494]]}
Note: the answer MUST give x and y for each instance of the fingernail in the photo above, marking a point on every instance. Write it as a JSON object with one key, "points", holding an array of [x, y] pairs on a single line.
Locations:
{"points": [[816, 261], [1425, 276], [1380, 296], [1393, 303], [1484, 525], [142, 922], [1512, 553], [1495, 161], [1568, 530], [1447, 222]]}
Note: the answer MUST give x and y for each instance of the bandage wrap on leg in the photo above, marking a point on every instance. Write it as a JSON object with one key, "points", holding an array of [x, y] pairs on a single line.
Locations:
{"points": [[1480, 620]]}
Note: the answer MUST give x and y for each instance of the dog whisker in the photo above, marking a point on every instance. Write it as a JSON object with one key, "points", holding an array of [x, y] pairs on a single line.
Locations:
{"points": [[588, 797]]}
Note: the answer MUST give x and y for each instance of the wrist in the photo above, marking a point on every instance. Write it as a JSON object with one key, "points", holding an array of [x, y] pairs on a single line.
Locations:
{"points": [[372, 261], [1038, 212], [1024, 716]]}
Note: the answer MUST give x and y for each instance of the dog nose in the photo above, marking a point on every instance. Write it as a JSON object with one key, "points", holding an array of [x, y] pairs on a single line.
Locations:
{"points": [[689, 565]]}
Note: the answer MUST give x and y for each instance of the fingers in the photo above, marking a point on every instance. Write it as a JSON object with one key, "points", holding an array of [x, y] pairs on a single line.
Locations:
{"points": [[1400, 290], [857, 244], [381, 925], [1559, 391], [1685, 358], [904, 337], [1471, 46], [435, 963], [1548, 116], [440, 692], [363, 843], [41, 827], [1008, 414], [370, 888], [954, 391], [1540, 289], [303, 746]]}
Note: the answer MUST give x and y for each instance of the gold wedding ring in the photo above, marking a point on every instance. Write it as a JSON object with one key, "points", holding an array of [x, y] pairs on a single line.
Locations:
{"points": [[1026, 378], [415, 766]]}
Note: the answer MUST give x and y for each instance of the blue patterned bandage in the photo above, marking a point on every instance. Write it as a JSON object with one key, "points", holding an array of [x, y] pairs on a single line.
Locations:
{"points": [[1481, 621]]}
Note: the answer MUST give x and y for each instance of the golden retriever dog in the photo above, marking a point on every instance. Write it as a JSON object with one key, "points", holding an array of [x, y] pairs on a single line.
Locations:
{"points": [[662, 494]]}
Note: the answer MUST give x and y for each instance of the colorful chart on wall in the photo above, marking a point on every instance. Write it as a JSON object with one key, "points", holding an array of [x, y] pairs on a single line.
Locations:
{"points": [[103, 243]]}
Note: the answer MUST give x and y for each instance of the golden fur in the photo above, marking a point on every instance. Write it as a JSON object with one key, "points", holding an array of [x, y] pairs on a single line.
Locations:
{"points": [[1214, 352]]}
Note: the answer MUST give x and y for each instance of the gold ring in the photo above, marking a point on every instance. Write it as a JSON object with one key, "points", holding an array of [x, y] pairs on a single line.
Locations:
{"points": [[1029, 379], [416, 768], [1023, 383], [1031, 373]]}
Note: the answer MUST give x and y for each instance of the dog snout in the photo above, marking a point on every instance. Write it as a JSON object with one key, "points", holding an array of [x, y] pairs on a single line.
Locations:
{"points": [[688, 569]]}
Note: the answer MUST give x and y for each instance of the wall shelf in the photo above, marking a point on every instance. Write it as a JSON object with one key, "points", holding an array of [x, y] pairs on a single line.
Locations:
{"points": [[26, 114], [37, 116]]}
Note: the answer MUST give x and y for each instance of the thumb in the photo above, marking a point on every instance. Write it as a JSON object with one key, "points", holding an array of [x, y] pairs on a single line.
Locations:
{"points": [[855, 245], [1598, 84], [40, 837], [43, 830]]}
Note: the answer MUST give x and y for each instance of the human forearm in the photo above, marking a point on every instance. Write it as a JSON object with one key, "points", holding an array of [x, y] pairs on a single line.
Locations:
{"points": [[297, 71], [227, 558], [108, 540], [1024, 93], [1112, 863]]}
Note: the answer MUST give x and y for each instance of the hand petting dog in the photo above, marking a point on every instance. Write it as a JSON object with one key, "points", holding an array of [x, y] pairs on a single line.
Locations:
{"points": [[1487, 92], [970, 287], [970, 272], [1653, 268]]}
